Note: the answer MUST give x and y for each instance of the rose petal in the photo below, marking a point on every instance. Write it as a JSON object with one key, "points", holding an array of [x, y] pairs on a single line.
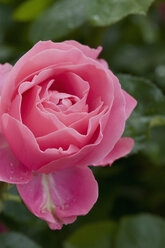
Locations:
{"points": [[4, 71], [39, 122], [130, 104], [114, 126], [121, 149], [11, 170], [60, 197], [90, 52], [104, 63], [72, 84], [24, 145], [87, 128]]}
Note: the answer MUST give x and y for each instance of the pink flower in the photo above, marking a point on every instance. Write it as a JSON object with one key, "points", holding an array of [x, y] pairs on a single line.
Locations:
{"points": [[161, 10], [3, 228], [61, 110]]}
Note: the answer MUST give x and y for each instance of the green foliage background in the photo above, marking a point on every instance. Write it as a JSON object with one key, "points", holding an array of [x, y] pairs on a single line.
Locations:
{"points": [[130, 209]]}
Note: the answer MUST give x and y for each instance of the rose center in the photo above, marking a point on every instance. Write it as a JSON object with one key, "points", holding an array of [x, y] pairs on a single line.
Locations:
{"points": [[62, 100]]}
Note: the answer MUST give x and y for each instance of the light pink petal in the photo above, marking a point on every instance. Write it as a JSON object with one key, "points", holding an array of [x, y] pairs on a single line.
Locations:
{"points": [[15, 108], [11, 170], [90, 52], [4, 71], [60, 197], [33, 62], [114, 125], [121, 149], [130, 104], [71, 135], [39, 122], [83, 124], [104, 63], [24, 145], [95, 76]]}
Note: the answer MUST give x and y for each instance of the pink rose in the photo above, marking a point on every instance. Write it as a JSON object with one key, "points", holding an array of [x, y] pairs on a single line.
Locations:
{"points": [[61, 110], [161, 10], [3, 228]]}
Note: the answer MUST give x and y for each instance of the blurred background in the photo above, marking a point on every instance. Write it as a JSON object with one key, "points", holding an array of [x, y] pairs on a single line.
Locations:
{"points": [[130, 210]]}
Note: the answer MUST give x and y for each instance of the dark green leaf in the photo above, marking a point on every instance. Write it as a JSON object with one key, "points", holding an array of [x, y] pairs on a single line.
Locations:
{"points": [[95, 235], [66, 15], [16, 240], [6, 53], [149, 111], [106, 12], [5, 20], [155, 147], [143, 231], [59, 20], [17, 212]]}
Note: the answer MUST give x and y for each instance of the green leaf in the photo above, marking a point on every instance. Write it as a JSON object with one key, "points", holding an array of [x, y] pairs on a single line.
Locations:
{"points": [[6, 53], [58, 20], [142, 231], [16, 240], [5, 1], [94, 235], [30, 9], [17, 212], [66, 15], [155, 147], [149, 111], [106, 12], [158, 121], [5, 20]]}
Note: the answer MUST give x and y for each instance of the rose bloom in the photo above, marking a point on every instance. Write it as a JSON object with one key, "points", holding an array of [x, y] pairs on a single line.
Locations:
{"points": [[161, 11], [61, 110], [3, 228]]}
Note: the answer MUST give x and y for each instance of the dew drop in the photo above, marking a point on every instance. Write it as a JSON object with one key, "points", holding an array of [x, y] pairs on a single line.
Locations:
{"points": [[95, 18], [11, 168]]}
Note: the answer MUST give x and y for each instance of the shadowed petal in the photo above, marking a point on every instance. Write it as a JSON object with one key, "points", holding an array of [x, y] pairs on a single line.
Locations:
{"points": [[11, 170], [4, 71], [60, 197]]}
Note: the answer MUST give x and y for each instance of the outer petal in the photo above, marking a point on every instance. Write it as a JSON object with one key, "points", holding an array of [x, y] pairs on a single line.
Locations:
{"points": [[11, 170], [90, 52], [60, 197], [121, 149], [4, 71], [130, 104]]}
